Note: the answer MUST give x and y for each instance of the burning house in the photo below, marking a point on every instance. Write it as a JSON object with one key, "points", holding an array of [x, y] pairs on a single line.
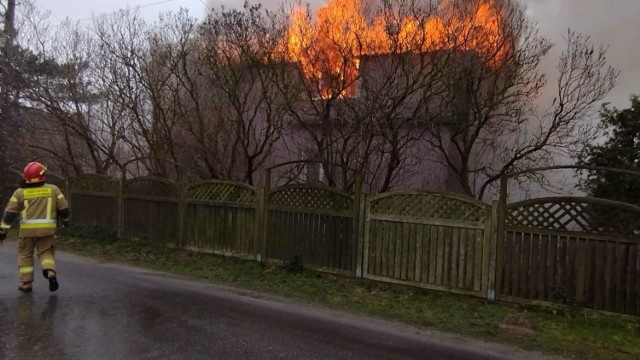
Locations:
{"points": [[377, 89], [378, 93]]}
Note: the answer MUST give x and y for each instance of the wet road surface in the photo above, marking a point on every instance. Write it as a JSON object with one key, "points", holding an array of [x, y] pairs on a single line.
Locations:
{"points": [[105, 311]]}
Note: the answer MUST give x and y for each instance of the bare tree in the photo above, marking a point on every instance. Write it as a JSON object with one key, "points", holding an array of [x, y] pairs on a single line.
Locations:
{"points": [[67, 110], [55, 96], [135, 75], [498, 126], [241, 66]]}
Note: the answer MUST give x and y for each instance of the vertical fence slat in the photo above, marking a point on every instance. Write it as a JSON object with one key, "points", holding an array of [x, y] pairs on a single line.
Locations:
{"points": [[571, 268], [637, 276], [404, 253], [433, 252], [385, 249], [360, 233], [599, 288], [609, 272], [426, 257], [446, 261], [351, 245], [455, 251], [552, 266], [544, 267], [477, 268], [307, 238], [411, 252], [397, 246], [516, 260], [472, 258], [590, 269], [441, 255], [532, 277], [632, 274], [504, 264], [392, 252], [262, 219], [621, 261], [418, 257], [463, 246], [524, 268], [538, 278]]}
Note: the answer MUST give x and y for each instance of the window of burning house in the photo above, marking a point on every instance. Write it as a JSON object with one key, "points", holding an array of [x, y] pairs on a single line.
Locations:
{"points": [[327, 86], [312, 172]]}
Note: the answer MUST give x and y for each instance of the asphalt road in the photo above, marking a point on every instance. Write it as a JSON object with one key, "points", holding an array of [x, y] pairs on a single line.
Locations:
{"points": [[105, 311]]}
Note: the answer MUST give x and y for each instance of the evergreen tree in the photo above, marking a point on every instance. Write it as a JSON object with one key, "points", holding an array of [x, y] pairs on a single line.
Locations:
{"points": [[620, 150]]}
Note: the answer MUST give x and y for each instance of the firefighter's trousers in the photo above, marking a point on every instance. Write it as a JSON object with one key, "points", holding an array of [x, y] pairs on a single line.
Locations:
{"points": [[45, 247]]}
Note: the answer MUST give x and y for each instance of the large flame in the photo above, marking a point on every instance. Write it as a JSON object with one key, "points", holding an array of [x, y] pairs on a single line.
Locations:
{"points": [[329, 49]]}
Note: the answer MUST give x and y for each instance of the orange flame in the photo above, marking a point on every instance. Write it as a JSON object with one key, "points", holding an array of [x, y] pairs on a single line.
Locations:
{"points": [[329, 49]]}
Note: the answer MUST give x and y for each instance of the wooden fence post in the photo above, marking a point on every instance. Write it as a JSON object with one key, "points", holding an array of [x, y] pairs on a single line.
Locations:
{"points": [[500, 236], [120, 200], [262, 217], [366, 228], [182, 209], [257, 228], [492, 251], [358, 223], [580, 273]]}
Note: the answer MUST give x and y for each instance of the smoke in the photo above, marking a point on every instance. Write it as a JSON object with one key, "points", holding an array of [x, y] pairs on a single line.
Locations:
{"points": [[610, 23]]}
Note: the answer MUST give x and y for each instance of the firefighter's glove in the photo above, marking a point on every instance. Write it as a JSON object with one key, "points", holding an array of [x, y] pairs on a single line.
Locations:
{"points": [[3, 234], [65, 223]]}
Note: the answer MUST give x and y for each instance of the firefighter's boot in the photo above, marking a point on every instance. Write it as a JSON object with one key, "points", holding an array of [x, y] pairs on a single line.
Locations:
{"points": [[25, 287], [53, 280]]}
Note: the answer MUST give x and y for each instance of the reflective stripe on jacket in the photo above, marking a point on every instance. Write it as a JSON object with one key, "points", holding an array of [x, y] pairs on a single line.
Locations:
{"points": [[38, 208]]}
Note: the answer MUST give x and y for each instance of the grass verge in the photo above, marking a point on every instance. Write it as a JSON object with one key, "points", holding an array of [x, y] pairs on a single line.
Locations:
{"points": [[575, 334]]}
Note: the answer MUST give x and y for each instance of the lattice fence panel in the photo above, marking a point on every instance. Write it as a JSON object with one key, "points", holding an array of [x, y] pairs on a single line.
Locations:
{"points": [[151, 187], [222, 192], [95, 183], [429, 206], [311, 197], [578, 216]]}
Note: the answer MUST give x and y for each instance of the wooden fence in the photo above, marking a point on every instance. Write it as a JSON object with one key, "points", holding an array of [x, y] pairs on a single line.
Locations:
{"points": [[574, 251], [95, 201], [436, 241], [581, 251], [221, 217], [313, 221]]}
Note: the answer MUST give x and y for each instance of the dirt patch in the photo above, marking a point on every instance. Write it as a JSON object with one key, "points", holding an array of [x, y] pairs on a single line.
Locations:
{"points": [[517, 325]]}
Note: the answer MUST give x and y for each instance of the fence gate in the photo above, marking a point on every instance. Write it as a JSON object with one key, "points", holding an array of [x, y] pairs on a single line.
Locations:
{"points": [[431, 240]]}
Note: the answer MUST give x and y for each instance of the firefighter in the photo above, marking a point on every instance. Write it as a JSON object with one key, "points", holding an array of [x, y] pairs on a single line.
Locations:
{"points": [[39, 205]]}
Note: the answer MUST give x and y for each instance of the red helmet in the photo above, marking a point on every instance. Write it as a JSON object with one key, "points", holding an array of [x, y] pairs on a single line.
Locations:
{"points": [[35, 172]]}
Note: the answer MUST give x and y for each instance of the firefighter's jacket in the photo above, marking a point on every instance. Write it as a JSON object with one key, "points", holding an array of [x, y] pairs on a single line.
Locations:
{"points": [[38, 206]]}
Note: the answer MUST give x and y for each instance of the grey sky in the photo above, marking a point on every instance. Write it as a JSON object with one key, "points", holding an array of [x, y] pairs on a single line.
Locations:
{"points": [[610, 22]]}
